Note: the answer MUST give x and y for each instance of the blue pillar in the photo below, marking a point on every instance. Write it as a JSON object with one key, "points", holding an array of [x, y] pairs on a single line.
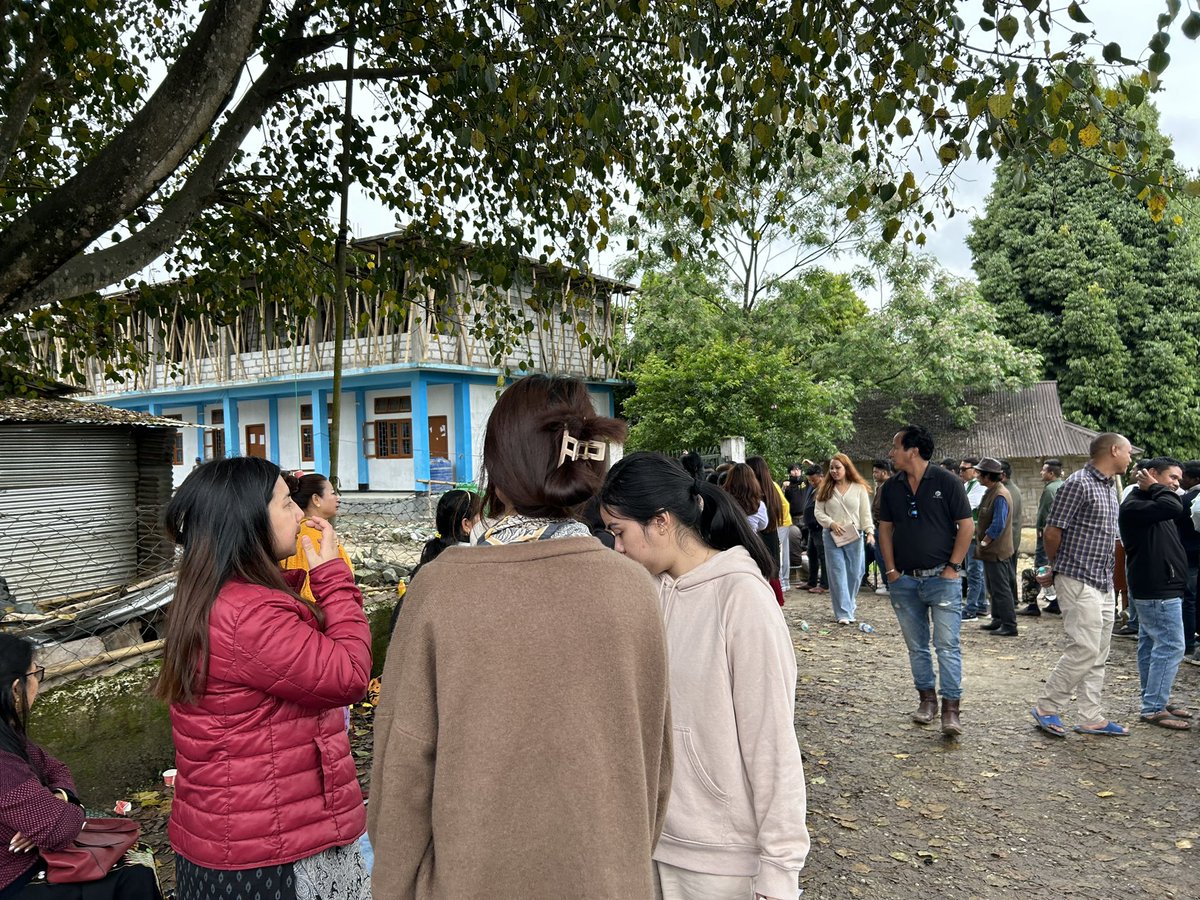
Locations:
{"points": [[420, 433], [273, 429], [360, 423], [463, 468], [233, 437], [200, 432], [320, 422], [155, 408]]}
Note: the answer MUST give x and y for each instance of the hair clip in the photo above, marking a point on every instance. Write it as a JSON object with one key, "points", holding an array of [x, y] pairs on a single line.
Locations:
{"points": [[573, 448]]}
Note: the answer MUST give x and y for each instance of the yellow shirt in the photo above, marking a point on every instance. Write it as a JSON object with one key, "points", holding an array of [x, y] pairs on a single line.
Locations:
{"points": [[785, 518], [300, 559]]}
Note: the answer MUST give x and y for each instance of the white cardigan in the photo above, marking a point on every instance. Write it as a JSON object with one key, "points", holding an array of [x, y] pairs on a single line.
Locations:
{"points": [[854, 509]]}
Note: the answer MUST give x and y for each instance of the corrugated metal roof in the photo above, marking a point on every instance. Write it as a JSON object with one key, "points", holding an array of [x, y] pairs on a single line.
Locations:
{"points": [[1008, 424], [72, 412]]}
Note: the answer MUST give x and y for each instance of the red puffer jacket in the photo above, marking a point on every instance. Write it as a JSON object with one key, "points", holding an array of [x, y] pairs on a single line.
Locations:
{"points": [[265, 771]]}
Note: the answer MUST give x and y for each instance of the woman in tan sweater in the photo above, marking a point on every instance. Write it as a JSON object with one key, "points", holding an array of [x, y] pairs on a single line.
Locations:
{"points": [[843, 509], [735, 825], [522, 741]]}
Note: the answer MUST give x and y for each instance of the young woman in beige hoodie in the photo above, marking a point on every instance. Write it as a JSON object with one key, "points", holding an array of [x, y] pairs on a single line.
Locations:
{"points": [[735, 821]]}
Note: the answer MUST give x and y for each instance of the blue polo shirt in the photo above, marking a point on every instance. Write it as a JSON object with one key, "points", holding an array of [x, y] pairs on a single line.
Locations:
{"points": [[925, 524]]}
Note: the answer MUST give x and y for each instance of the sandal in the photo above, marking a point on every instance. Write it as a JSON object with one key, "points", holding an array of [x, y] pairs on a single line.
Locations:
{"points": [[1049, 723], [1179, 712], [1110, 729], [1164, 719]]}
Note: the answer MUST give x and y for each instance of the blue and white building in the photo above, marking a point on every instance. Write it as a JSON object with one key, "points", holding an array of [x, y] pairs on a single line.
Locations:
{"points": [[418, 384]]}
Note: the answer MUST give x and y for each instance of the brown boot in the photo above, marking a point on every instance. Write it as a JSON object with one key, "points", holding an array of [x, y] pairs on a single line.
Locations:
{"points": [[950, 723], [927, 708]]}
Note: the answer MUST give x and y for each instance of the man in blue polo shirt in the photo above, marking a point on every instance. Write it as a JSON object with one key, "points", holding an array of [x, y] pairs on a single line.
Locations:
{"points": [[925, 528]]}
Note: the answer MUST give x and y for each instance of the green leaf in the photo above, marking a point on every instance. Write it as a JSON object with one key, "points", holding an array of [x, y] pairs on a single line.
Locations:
{"points": [[1158, 62], [1008, 27], [1191, 26], [1076, 14], [1111, 52]]}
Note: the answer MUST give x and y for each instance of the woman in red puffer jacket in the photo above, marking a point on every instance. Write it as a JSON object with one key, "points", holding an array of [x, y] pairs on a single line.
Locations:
{"points": [[266, 797]]}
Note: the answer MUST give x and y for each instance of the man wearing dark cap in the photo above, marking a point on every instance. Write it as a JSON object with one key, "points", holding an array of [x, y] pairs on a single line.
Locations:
{"points": [[995, 546]]}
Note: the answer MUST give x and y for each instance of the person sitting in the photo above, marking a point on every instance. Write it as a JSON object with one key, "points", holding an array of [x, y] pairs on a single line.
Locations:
{"points": [[38, 806]]}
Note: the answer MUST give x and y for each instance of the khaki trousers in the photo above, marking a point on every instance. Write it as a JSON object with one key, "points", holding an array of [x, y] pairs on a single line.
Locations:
{"points": [[1088, 615]]}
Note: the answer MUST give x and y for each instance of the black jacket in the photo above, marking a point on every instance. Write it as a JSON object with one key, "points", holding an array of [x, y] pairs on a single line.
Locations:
{"points": [[810, 509], [1153, 553], [1187, 531], [794, 494]]}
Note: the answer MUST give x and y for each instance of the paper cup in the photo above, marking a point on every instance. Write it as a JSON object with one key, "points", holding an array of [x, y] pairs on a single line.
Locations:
{"points": [[169, 778], [122, 807]]}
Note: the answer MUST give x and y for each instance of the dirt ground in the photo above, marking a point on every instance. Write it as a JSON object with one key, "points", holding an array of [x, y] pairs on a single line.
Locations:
{"points": [[897, 811]]}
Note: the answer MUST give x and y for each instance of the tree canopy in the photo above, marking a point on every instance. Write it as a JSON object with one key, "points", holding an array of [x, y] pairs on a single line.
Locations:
{"points": [[135, 130], [1110, 296]]}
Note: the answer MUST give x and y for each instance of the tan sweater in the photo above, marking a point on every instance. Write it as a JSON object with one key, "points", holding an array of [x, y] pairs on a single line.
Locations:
{"points": [[854, 509], [522, 741]]}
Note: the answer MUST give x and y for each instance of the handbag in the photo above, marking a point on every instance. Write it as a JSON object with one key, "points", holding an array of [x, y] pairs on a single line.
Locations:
{"points": [[849, 533], [93, 853]]}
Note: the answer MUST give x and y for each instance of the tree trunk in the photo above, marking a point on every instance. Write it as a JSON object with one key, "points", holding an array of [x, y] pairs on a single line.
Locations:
{"points": [[135, 164]]}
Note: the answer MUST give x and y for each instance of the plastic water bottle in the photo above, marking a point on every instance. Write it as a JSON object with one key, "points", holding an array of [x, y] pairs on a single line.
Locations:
{"points": [[865, 628], [1051, 594], [803, 625]]}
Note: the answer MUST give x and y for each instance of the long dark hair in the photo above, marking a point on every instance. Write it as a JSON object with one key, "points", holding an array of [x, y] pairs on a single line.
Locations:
{"points": [[742, 485], [522, 447], [220, 517], [642, 485], [454, 506], [16, 656], [770, 495]]}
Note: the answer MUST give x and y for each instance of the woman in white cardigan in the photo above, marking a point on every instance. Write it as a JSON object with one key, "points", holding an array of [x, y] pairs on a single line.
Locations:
{"points": [[843, 508]]}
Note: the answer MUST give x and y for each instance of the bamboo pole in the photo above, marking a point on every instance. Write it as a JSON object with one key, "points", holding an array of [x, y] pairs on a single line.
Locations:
{"points": [[106, 658]]}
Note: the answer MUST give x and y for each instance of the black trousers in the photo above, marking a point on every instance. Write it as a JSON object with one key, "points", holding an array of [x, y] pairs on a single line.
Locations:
{"points": [[816, 558], [1002, 585]]}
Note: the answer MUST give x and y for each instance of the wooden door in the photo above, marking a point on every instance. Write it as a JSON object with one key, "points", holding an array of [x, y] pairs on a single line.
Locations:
{"points": [[439, 444], [256, 441]]}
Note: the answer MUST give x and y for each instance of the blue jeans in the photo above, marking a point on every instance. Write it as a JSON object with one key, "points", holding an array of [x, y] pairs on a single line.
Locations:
{"points": [[1160, 650], [917, 601], [845, 567], [976, 598]]}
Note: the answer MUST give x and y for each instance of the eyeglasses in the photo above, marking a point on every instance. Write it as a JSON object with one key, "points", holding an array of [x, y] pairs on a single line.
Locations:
{"points": [[966, 468], [39, 673], [913, 512]]}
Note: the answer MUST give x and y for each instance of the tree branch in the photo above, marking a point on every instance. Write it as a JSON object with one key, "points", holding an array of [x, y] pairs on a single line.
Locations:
{"points": [[164, 132], [20, 102], [92, 271]]}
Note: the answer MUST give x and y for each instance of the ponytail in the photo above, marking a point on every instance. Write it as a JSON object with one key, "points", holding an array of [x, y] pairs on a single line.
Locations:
{"points": [[643, 484], [722, 526]]}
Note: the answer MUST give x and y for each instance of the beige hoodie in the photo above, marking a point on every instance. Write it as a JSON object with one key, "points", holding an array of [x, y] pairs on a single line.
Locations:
{"points": [[737, 802]]}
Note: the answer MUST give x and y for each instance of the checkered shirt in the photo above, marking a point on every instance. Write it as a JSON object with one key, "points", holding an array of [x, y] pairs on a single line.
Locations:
{"points": [[1086, 508]]}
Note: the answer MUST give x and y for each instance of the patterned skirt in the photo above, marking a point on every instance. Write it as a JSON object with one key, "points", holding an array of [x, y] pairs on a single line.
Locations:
{"points": [[339, 873]]}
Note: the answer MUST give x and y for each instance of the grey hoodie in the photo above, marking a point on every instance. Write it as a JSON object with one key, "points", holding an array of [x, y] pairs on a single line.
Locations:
{"points": [[737, 803]]}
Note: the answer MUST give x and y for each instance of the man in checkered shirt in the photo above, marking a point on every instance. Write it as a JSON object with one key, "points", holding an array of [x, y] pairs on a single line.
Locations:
{"points": [[1080, 540]]}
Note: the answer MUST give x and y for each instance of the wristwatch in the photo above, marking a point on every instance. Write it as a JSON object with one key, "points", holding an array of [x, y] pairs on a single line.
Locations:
{"points": [[957, 567]]}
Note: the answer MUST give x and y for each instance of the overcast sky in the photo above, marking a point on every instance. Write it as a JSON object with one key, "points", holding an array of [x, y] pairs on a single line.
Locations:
{"points": [[1128, 22]]}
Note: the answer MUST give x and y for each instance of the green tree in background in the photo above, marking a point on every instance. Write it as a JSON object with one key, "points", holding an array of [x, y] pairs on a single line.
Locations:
{"points": [[1110, 296], [936, 338], [703, 393]]}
